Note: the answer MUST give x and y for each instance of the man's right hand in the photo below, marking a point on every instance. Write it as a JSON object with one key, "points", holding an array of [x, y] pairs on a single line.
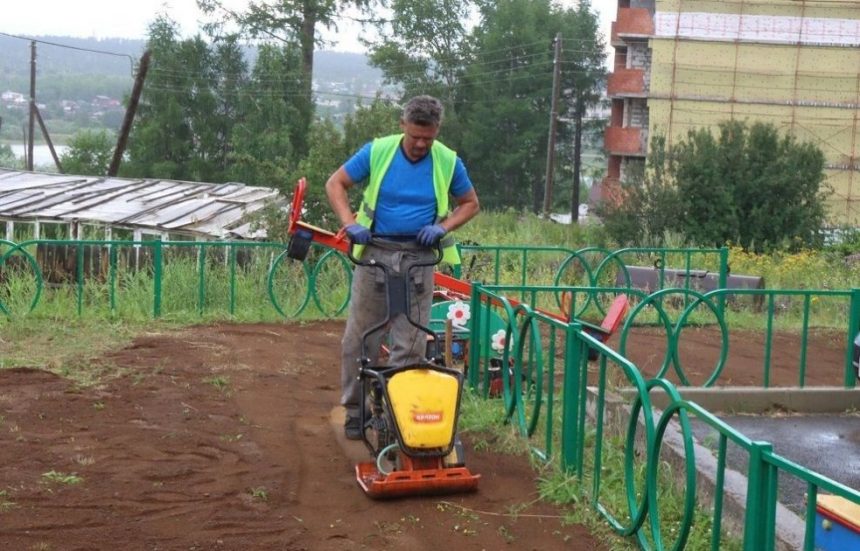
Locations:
{"points": [[358, 234]]}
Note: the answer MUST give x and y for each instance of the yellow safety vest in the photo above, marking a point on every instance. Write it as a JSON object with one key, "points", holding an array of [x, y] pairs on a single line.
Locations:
{"points": [[382, 152]]}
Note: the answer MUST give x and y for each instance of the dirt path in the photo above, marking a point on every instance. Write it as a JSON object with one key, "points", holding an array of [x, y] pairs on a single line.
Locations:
{"points": [[219, 437]]}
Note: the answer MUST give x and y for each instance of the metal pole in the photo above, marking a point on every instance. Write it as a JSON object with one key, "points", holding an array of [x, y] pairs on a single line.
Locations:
{"points": [[32, 121], [553, 119], [122, 139]]}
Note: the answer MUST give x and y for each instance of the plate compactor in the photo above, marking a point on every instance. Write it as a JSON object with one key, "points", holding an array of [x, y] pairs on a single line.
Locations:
{"points": [[409, 413]]}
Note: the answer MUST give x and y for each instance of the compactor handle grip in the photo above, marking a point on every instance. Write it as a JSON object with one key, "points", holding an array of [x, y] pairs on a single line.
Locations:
{"points": [[437, 248]]}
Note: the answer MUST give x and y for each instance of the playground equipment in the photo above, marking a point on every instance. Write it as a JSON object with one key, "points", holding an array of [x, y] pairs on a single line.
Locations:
{"points": [[837, 523], [409, 413]]}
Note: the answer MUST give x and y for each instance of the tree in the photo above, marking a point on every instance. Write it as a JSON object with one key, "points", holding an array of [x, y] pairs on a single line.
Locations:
{"points": [[90, 153], [289, 24], [379, 118], [583, 77], [267, 139], [750, 185], [506, 101], [747, 185], [647, 205], [188, 107], [424, 46], [7, 158], [161, 144], [330, 148]]}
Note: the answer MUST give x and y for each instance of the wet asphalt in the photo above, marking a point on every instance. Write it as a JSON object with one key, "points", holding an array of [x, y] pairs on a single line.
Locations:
{"points": [[827, 444]]}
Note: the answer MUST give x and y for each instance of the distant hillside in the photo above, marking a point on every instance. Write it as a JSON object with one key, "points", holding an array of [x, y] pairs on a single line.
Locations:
{"points": [[53, 60]]}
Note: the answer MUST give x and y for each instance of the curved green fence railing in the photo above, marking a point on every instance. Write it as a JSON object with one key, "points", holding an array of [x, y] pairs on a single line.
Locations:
{"points": [[524, 265], [580, 427], [235, 279]]}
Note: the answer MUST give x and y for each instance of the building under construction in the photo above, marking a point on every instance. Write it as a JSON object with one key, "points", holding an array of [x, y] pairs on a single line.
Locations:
{"points": [[684, 64]]}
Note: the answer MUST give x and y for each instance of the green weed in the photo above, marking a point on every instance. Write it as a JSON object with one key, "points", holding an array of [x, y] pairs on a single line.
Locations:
{"points": [[259, 493], [57, 477], [6, 503], [219, 382]]}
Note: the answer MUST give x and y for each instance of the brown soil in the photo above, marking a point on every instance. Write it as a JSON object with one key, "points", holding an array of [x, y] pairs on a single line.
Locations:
{"points": [[699, 353], [169, 460]]}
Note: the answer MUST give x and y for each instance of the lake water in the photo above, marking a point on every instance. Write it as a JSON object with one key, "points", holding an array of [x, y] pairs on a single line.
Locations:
{"points": [[41, 154]]}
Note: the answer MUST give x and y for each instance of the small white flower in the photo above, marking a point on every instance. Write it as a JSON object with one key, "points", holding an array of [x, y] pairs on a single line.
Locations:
{"points": [[497, 341], [459, 313]]}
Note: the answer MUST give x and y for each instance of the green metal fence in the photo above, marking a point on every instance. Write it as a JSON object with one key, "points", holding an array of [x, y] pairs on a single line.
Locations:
{"points": [[526, 265], [542, 346], [811, 305], [172, 278]]}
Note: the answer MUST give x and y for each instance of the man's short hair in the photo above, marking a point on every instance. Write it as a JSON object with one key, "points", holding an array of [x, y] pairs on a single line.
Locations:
{"points": [[423, 111]]}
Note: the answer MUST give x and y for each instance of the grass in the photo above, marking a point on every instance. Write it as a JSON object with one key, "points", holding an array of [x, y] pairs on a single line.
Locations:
{"points": [[6, 503], [219, 382], [259, 493], [57, 477], [483, 420]]}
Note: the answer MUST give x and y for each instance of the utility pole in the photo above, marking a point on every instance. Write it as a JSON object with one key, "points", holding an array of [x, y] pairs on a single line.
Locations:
{"points": [[127, 121], [553, 120], [579, 113], [32, 105]]}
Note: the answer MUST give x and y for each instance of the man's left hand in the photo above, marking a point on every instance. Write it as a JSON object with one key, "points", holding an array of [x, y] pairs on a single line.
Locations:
{"points": [[430, 235]]}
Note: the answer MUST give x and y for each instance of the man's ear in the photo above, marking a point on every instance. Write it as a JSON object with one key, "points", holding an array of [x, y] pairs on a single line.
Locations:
{"points": [[402, 125]]}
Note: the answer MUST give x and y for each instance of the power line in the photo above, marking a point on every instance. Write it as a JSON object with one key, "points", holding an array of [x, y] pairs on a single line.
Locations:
{"points": [[67, 46]]}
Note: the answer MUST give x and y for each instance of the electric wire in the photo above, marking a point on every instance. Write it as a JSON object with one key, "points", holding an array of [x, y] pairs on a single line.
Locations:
{"points": [[70, 47]]}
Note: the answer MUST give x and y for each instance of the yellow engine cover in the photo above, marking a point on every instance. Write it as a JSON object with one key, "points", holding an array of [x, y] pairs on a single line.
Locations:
{"points": [[424, 405]]}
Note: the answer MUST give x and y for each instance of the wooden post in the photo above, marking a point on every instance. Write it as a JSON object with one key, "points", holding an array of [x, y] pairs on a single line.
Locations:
{"points": [[122, 139], [32, 105], [24, 136], [449, 341], [553, 119], [47, 138]]}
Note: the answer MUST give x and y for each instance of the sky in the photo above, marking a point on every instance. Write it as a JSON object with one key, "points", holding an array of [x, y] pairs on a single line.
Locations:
{"points": [[130, 19]]}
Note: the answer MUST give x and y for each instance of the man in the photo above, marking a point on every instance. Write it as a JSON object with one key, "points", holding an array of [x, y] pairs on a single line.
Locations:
{"points": [[410, 177]]}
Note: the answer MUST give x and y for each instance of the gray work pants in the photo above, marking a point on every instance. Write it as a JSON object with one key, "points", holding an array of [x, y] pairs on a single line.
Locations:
{"points": [[367, 307]]}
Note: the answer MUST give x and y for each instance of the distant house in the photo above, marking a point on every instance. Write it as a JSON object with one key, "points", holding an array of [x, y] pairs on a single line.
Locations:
{"points": [[12, 97], [13, 100], [105, 102]]}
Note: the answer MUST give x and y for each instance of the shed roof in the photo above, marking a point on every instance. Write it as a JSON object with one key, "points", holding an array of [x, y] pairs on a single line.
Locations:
{"points": [[213, 210]]}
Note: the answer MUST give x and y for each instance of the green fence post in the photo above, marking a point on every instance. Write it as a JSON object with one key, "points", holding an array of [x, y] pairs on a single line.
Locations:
{"points": [[232, 279], [723, 279], [201, 279], [853, 329], [474, 335], [79, 275], [112, 277], [156, 279], [755, 528], [570, 398]]}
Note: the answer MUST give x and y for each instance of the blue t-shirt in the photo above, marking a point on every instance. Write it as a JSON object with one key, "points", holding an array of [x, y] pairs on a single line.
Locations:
{"points": [[407, 201]]}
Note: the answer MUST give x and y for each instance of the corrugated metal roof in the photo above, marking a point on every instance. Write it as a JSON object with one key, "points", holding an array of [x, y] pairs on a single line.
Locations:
{"points": [[214, 210]]}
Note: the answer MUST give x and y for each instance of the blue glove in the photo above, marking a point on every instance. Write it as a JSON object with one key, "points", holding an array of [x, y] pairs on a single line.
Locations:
{"points": [[430, 235], [358, 234]]}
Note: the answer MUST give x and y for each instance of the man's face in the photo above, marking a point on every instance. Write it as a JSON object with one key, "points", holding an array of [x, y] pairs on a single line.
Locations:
{"points": [[417, 139]]}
